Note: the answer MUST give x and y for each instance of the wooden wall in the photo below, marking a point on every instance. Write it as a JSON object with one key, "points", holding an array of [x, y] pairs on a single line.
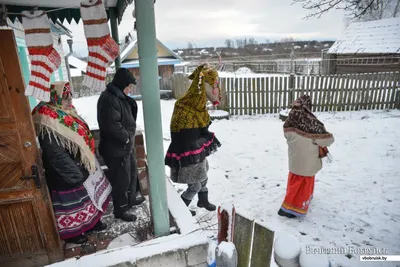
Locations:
{"points": [[164, 71], [366, 63]]}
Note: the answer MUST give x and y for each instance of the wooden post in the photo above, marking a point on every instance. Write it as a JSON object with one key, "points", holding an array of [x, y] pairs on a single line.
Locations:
{"points": [[226, 224], [397, 103], [114, 32], [291, 88]]}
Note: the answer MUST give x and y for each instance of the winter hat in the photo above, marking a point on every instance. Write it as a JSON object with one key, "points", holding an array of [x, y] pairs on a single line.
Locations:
{"points": [[122, 78]]}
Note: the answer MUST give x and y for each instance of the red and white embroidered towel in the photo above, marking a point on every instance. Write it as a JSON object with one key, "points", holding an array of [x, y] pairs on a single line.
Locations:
{"points": [[102, 48], [44, 58]]}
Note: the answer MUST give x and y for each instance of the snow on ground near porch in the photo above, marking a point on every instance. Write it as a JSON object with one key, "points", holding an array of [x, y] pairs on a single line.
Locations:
{"points": [[357, 196]]}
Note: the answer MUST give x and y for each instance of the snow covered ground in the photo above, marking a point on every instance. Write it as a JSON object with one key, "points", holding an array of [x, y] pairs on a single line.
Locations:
{"points": [[357, 197]]}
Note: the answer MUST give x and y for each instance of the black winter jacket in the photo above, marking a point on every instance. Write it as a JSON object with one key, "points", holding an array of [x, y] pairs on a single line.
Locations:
{"points": [[63, 170], [116, 115]]}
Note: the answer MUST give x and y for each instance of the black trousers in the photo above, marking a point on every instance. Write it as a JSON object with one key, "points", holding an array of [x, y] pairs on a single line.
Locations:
{"points": [[123, 176]]}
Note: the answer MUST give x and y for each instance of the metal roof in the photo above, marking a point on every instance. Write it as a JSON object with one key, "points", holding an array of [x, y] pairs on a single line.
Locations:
{"points": [[370, 37], [134, 63]]}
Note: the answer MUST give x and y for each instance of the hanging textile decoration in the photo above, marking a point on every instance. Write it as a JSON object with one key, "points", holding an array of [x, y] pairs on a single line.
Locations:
{"points": [[44, 58], [102, 48]]}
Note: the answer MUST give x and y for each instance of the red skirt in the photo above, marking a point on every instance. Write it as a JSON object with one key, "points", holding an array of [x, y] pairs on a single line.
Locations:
{"points": [[299, 193]]}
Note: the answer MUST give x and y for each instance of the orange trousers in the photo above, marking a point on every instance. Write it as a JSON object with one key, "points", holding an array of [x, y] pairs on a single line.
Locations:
{"points": [[299, 193]]}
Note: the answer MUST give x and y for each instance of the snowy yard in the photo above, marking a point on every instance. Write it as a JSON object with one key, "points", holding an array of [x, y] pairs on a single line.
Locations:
{"points": [[356, 202]]}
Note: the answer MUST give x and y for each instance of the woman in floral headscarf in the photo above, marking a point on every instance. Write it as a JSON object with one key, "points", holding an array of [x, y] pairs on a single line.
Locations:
{"points": [[191, 141], [307, 141], [68, 158]]}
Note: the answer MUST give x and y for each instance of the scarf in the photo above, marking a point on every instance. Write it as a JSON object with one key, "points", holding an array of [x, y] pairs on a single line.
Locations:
{"points": [[65, 126], [190, 111], [302, 120]]}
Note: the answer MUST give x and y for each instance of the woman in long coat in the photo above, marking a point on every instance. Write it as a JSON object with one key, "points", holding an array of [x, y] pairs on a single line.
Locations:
{"points": [[68, 158], [307, 141]]}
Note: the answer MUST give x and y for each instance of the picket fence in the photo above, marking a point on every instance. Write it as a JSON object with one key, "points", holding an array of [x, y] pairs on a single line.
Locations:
{"points": [[271, 94]]}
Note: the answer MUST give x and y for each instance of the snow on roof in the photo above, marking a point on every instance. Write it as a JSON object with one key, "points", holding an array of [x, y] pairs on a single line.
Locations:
{"points": [[77, 63], [132, 45], [378, 36], [127, 50], [75, 72]]}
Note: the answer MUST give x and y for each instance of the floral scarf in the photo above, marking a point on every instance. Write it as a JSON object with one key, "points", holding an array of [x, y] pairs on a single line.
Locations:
{"points": [[68, 129], [301, 118]]}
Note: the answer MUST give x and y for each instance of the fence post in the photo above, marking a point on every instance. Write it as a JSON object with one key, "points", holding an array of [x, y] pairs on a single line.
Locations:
{"points": [[397, 102], [291, 88]]}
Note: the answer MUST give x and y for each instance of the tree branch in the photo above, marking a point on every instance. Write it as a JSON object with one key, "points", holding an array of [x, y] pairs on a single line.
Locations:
{"points": [[357, 8]]}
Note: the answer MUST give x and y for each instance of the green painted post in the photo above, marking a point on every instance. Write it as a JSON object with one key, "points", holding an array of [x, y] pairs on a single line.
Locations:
{"points": [[148, 64], [114, 33], [23, 59]]}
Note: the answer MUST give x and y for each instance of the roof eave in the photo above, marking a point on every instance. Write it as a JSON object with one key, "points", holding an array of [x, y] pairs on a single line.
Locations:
{"points": [[68, 14]]}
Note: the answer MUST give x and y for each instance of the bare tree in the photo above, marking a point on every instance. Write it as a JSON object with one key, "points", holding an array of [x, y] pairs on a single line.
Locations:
{"points": [[239, 43], [354, 8], [396, 10], [287, 43], [252, 41], [383, 9], [229, 43], [190, 46]]}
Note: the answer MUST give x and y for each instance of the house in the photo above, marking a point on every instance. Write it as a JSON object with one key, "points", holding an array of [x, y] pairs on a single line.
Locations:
{"points": [[167, 59], [57, 30], [77, 67], [371, 46]]}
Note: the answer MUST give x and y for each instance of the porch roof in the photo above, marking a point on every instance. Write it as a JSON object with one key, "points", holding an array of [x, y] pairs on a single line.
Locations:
{"points": [[65, 9]]}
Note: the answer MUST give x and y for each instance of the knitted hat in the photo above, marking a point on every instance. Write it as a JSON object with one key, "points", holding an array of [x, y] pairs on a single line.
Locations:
{"points": [[123, 78]]}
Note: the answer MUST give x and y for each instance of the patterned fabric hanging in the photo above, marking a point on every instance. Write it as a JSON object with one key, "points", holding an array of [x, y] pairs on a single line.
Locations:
{"points": [[44, 58], [102, 48]]}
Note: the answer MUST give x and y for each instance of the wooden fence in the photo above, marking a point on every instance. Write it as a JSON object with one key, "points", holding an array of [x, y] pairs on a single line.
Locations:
{"points": [[261, 95], [253, 243]]}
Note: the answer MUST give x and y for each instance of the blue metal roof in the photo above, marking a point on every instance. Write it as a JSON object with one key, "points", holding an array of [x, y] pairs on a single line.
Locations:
{"points": [[161, 62]]}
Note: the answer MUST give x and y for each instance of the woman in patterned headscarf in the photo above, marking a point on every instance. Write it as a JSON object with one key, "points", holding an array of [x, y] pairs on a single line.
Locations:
{"points": [[68, 157], [307, 141], [191, 141]]}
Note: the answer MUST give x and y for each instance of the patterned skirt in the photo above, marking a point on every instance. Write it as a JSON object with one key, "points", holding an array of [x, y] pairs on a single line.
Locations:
{"points": [[74, 211], [190, 147], [192, 174], [299, 192]]}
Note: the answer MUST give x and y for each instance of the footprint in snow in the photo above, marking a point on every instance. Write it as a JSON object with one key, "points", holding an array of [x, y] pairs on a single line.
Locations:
{"points": [[361, 231]]}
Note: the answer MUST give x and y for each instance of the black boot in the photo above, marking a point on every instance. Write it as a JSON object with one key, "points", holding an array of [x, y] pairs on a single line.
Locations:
{"points": [[135, 200], [203, 202], [80, 239], [126, 216], [285, 214], [187, 203], [100, 226]]}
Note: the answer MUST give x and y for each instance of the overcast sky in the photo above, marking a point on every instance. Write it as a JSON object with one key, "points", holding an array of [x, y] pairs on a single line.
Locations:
{"points": [[210, 22]]}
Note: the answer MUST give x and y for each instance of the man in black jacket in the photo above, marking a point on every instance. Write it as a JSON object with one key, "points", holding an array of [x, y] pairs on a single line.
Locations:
{"points": [[116, 115]]}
